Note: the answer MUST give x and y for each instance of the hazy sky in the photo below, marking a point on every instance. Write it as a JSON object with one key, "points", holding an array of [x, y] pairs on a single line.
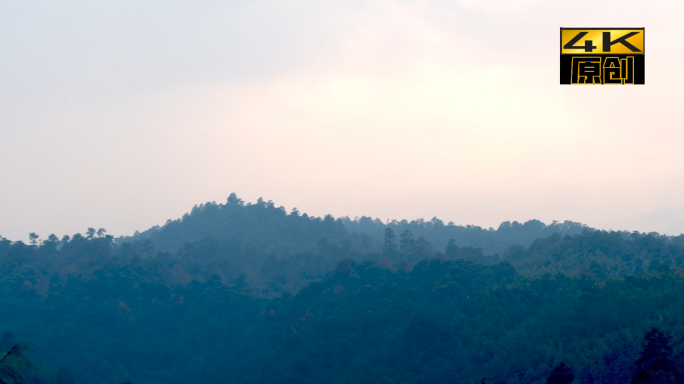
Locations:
{"points": [[122, 114]]}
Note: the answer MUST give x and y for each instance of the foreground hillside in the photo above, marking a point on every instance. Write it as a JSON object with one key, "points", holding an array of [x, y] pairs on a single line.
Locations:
{"points": [[228, 308], [445, 321]]}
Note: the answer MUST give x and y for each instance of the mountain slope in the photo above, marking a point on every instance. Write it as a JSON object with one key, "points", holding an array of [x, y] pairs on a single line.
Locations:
{"points": [[270, 229]]}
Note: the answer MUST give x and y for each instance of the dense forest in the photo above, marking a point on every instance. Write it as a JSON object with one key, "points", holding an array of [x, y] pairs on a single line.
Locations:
{"points": [[275, 231], [248, 293]]}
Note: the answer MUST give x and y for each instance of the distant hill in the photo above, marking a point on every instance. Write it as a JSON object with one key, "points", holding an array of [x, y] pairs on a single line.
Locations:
{"points": [[261, 224], [276, 251], [492, 241], [599, 255], [272, 230]]}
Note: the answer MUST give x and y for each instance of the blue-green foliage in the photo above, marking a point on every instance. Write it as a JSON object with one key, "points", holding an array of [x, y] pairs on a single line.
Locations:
{"points": [[294, 299]]}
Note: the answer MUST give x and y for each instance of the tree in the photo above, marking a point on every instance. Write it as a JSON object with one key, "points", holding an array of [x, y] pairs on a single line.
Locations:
{"points": [[451, 249], [7, 341], [33, 237], [12, 362], [407, 244], [655, 365], [388, 246], [560, 374]]}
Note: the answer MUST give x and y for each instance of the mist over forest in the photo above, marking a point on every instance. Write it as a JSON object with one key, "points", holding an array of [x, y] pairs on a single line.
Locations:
{"points": [[126, 125], [240, 292]]}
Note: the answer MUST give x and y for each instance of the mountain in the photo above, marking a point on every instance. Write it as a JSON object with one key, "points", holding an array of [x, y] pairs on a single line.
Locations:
{"points": [[247, 293], [272, 230], [276, 252], [262, 224]]}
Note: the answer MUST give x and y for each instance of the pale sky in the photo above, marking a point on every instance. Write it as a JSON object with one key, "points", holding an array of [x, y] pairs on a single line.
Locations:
{"points": [[123, 114]]}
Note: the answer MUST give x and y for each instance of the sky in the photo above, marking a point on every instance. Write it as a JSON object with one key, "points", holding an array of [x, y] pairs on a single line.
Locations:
{"points": [[123, 114]]}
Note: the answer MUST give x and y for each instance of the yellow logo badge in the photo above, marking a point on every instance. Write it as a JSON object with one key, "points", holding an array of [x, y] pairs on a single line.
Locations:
{"points": [[602, 55]]}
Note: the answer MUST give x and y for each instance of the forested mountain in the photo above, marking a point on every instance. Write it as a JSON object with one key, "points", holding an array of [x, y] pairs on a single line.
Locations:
{"points": [[261, 224], [272, 230], [492, 241], [454, 321], [257, 295], [275, 251], [442, 322], [599, 254]]}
